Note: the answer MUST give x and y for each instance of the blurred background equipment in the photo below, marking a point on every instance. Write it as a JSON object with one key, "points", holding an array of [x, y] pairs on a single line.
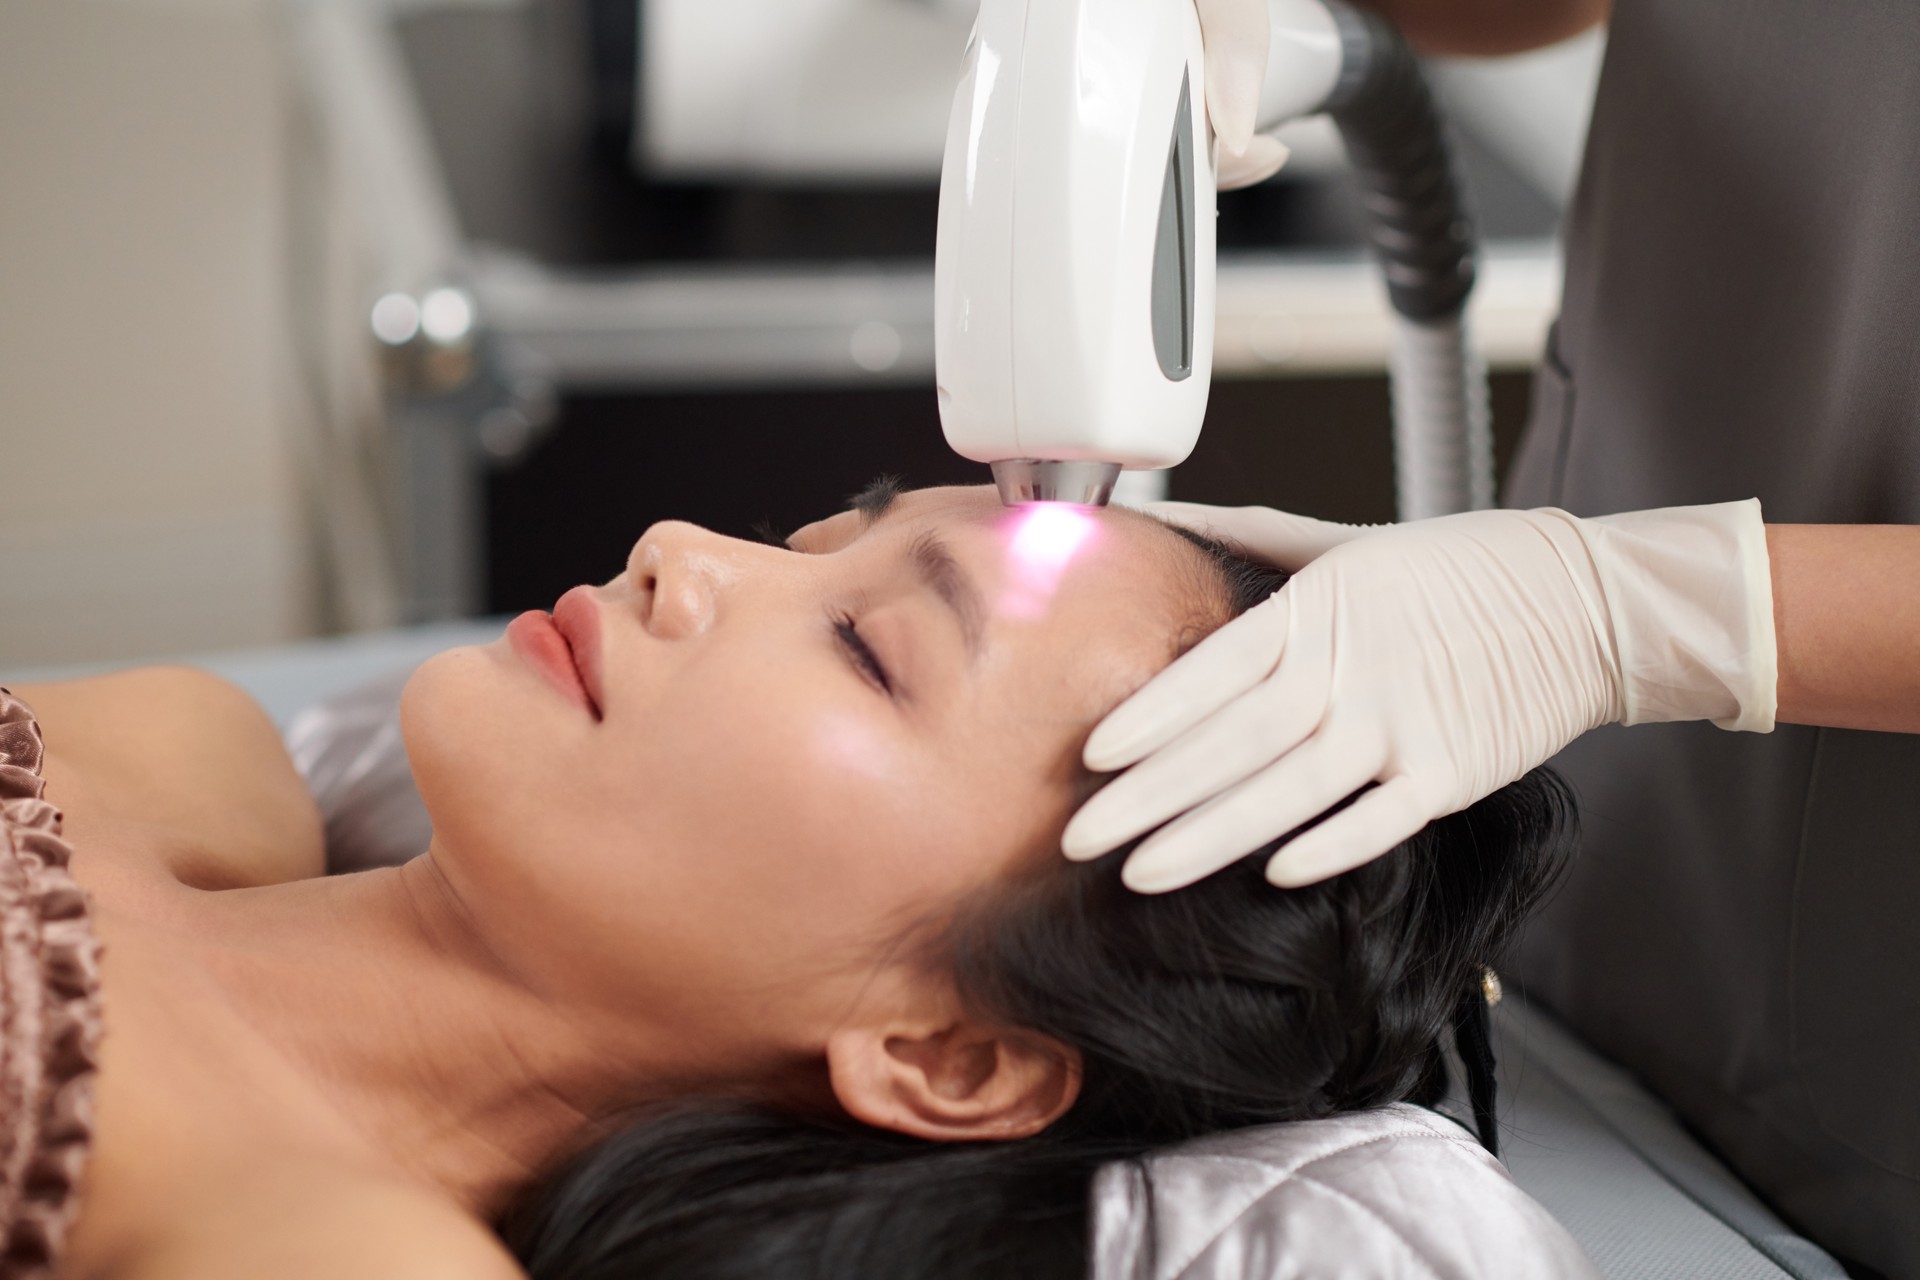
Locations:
{"points": [[394, 310]]}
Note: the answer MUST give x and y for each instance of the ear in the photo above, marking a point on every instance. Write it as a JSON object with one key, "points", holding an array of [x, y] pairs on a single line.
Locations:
{"points": [[952, 1079]]}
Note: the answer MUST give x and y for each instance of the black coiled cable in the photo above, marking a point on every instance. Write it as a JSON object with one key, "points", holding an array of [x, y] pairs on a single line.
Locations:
{"points": [[1396, 140]]}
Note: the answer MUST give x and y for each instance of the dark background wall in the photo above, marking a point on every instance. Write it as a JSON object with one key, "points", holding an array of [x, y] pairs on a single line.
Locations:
{"points": [[569, 511]]}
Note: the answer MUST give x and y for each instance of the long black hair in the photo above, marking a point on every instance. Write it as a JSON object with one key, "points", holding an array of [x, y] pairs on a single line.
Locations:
{"points": [[1223, 1005]]}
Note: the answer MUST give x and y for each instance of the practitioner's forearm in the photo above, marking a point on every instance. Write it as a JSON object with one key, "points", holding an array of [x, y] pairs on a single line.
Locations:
{"points": [[1846, 610], [1484, 28]]}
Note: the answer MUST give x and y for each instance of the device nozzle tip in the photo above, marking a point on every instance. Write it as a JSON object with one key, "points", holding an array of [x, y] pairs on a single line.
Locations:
{"points": [[1027, 480]]}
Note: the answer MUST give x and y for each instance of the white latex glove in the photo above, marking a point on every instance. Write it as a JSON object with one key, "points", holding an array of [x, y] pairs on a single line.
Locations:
{"points": [[1235, 33], [1441, 659]]}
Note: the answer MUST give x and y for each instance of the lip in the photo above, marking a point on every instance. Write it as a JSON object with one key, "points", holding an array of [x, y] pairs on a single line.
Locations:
{"points": [[576, 615], [545, 648]]}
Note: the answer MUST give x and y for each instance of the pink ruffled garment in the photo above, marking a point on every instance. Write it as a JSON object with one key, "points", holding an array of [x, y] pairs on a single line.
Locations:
{"points": [[49, 1011]]}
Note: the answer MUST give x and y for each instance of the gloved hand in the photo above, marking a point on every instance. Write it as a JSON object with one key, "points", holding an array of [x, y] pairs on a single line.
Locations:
{"points": [[1440, 659], [1235, 33]]}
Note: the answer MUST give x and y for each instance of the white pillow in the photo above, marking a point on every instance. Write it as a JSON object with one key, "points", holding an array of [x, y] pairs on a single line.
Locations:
{"points": [[1397, 1192]]}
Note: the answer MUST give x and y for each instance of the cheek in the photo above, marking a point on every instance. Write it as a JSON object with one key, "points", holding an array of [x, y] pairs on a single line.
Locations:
{"points": [[723, 852], [780, 776], [851, 745], [752, 827]]}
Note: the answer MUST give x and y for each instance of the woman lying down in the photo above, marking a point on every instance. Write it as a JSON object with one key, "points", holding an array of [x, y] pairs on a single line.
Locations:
{"points": [[742, 948]]}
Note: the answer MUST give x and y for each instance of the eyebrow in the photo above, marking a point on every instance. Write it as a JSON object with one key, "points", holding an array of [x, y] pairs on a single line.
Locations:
{"points": [[934, 564], [877, 498]]}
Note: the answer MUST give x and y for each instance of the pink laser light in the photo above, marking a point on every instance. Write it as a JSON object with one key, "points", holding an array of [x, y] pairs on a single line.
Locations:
{"points": [[1047, 537]]}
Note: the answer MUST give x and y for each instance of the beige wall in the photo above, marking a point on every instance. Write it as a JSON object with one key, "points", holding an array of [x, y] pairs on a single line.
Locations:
{"points": [[148, 499]]}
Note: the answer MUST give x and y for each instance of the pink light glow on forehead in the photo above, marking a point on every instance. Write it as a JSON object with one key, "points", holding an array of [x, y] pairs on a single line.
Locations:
{"points": [[1046, 537], [1050, 532]]}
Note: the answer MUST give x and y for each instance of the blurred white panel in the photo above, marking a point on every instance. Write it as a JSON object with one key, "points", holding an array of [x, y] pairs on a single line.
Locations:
{"points": [[101, 588], [853, 89], [831, 88], [1531, 109], [148, 497]]}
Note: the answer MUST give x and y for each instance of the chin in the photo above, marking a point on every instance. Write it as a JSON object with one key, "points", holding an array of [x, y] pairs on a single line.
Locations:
{"points": [[471, 731]]}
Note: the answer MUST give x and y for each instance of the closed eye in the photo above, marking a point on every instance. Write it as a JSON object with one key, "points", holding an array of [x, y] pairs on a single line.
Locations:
{"points": [[861, 653]]}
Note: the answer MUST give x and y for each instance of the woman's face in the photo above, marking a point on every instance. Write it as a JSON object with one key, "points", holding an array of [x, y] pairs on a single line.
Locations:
{"points": [[797, 753]]}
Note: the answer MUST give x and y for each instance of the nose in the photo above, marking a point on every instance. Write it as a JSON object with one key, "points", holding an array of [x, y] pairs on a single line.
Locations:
{"points": [[683, 574]]}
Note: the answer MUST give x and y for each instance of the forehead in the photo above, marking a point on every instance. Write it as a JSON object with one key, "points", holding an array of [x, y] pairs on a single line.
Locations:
{"points": [[1122, 588], [954, 508], [1106, 607]]}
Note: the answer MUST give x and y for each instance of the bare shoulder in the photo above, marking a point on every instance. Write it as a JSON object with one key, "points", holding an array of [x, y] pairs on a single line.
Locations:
{"points": [[180, 751], [372, 1230]]}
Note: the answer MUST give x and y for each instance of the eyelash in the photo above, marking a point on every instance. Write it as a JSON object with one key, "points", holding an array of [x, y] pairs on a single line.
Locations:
{"points": [[861, 652], [765, 531]]}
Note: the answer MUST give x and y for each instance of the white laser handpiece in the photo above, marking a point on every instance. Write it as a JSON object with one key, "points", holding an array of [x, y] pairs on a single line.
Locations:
{"points": [[1074, 265]]}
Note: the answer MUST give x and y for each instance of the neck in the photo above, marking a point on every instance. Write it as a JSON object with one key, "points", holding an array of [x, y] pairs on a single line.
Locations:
{"points": [[375, 988]]}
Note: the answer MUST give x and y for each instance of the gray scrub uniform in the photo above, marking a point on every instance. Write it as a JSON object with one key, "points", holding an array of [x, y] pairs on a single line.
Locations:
{"points": [[1742, 317]]}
